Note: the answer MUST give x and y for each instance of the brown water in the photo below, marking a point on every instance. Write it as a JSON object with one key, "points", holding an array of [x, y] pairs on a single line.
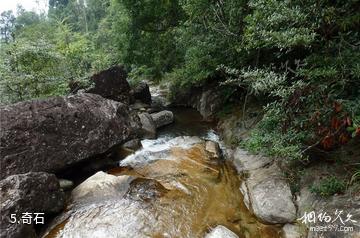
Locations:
{"points": [[204, 193], [178, 189]]}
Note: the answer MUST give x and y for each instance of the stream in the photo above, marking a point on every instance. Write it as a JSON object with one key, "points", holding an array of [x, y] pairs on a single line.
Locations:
{"points": [[178, 185]]}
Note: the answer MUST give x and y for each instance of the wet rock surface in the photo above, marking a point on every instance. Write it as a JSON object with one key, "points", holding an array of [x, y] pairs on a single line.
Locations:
{"points": [[31, 193], [162, 118], [148, 127], [52, 134], [170, 188]]}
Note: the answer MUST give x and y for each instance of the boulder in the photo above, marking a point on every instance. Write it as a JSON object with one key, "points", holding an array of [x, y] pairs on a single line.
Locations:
{"points": [[270, 196], [148, 128], [142, 92], [162, 118], [111, 84], [208, 100], [100, 186], [53, 134], [265, 190], [34, 192], [221, 232], [245, 161], [110, 206], [159, 97]]}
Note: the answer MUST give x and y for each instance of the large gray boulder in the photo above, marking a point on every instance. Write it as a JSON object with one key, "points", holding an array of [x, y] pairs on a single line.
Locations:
{"points": [[162, 118], [52, 134], [34, 192], [270, 196], [106, 205], [148, 127], [265, 190]]}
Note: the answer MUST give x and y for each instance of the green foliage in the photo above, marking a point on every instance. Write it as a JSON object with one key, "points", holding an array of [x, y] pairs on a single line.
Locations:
{"points": [[328, 186], [278, 23], [300, 58], [268, 139], [256, 81], [150, 34], [355, 178], [30, 70]]}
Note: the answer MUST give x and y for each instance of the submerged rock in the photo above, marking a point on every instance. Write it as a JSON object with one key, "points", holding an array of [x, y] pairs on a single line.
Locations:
{"points": [[162, 118], [111, 84], [53, 134], [28, 193]]}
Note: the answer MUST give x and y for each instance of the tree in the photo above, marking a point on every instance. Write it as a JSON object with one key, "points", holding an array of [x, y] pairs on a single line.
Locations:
{"points": [[31, 70], [7, 24]]}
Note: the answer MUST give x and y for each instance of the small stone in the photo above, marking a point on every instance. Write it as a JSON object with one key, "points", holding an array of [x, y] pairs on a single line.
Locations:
{"points": [[221, 232], [213, 148], [65, 184]]}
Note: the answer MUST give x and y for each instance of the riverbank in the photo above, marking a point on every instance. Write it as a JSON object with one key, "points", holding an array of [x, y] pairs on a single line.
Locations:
{"points": [[282, 191]]}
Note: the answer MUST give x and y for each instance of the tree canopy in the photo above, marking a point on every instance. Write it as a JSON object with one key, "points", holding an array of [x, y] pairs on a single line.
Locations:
{"points": [[301, 58]]}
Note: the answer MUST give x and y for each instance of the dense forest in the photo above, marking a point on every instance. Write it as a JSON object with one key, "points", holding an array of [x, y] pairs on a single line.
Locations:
{"points": [[299, 58]]}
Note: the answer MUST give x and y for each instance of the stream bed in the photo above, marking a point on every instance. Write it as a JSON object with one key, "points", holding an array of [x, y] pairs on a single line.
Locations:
{"points": [[178, 185]]}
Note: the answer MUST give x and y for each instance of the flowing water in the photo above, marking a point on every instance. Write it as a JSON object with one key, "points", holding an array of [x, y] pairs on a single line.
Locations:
{"points": [[175, 186]]}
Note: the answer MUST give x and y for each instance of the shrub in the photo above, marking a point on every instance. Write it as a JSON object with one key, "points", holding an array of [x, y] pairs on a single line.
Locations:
{"points": [[31, 70], [328, 186]]}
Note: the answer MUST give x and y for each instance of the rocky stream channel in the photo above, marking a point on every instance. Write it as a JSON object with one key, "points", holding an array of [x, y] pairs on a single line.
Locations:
{"points": [[117, 161], [178, 185]]}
